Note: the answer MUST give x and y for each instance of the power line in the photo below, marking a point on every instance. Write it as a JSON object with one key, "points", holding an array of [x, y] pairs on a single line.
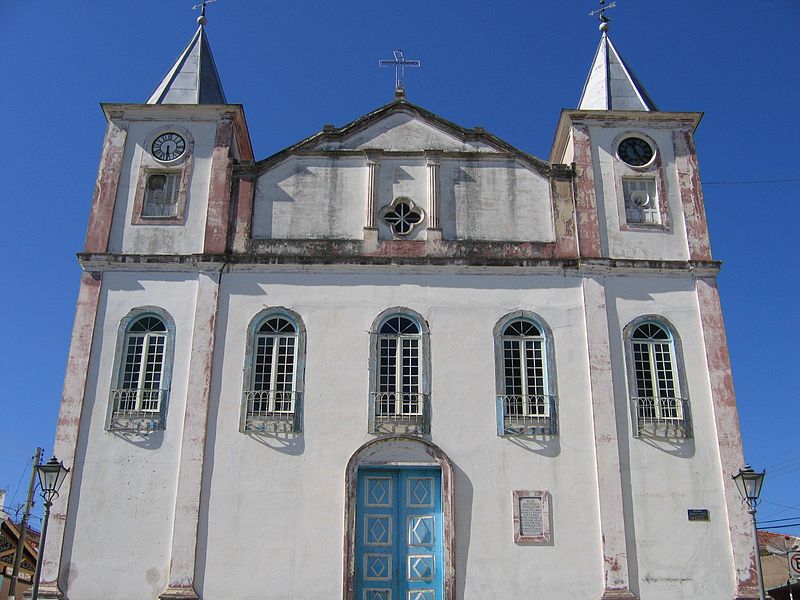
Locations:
{"points": [[777, 520], [785, 526], [752, 181]]}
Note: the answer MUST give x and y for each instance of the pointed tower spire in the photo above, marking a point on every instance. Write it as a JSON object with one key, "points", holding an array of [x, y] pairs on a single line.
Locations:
{"points": [[193, 79], [611, 84]]}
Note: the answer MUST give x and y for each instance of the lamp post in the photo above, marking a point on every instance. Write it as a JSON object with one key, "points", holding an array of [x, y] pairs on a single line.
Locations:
{"points": [[749, 483], [51, 476]]}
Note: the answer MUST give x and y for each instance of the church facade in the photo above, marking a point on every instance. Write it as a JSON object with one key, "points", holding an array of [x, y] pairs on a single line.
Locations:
{"points": [[399, 360]]}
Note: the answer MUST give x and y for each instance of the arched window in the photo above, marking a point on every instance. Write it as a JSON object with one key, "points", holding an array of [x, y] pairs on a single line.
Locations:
{"points": [[657, 403], [139, 396], [399, 379], [526, 403], [273, 374]]}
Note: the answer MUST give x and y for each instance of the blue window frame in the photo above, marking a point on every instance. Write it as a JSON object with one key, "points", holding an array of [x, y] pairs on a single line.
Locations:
{"points": [[399, 378], [525, 376], [273, 374], [144, 364]]}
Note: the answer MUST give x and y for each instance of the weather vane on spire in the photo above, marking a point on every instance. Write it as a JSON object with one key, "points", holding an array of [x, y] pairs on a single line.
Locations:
{"points": [[601, 14], [201, 20], [400, 63]]}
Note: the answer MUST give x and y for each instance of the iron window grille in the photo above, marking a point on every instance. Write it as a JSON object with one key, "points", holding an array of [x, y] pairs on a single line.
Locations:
{"points": [[657, 408], [399, 402], [138, 400], [525, 406], [271, 401]]}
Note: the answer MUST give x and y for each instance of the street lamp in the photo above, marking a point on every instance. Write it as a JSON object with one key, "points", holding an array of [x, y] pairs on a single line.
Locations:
{"points": [[51, 476], [749, 483]]}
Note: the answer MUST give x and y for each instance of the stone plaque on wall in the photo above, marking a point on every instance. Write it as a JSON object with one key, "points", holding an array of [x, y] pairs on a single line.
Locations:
{"points": [[531, 511]]}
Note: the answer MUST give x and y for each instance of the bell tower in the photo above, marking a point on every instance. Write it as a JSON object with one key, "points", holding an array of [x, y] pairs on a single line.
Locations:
{"points": [[164, 183], [637, 182]]}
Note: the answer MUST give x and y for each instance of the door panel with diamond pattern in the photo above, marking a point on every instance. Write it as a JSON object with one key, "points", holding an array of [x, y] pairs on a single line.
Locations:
{"points": [[399, 534]]}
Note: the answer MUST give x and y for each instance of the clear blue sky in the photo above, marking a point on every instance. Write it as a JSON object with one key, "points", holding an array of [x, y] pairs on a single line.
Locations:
{"points": [[507, 66]]}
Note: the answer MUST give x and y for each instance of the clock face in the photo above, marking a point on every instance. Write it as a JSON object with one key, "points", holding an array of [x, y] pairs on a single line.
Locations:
{"points": [[635, 151], [168, 146]]}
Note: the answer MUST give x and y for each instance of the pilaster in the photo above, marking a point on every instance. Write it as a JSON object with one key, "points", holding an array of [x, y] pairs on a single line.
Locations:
{"points": [[586, 214], [68, 430], [726, 417], [105, 188], [183, 553], [432, 168], [694, 213], [219, 190], [616, 583], [373, 184]]}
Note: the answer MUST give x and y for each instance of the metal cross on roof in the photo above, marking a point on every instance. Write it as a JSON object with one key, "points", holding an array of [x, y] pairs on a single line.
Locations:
{"points": [[400, 63], [202, 7], [601, 14]]}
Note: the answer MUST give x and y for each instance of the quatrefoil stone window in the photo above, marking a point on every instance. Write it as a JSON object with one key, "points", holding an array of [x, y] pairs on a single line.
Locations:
{"points": [[402, 215]]}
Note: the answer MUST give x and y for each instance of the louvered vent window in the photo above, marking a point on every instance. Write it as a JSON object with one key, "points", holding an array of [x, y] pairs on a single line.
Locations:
{"points": [[161, 195]]}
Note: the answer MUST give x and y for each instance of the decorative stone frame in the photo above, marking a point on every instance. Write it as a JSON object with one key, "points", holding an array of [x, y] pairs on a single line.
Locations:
{"points": [[150, 165], [545, 499], [399, 451], [142, 425], [414, 206], [652, 170], [300, 365], [680, 372], [499, 365], [424, 362]]}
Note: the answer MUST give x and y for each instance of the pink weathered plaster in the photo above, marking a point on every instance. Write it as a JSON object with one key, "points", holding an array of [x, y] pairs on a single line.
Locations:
{"points": [[609, 483], [105, 188], [69, 418], [585, 194], [244, 214], [361, 456], [729, 437], [190, 469], [219, 190], [566, 245], [691, 191]]}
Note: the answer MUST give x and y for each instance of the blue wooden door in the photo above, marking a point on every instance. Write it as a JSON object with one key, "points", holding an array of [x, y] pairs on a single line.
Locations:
{"points": [[399, 534]]}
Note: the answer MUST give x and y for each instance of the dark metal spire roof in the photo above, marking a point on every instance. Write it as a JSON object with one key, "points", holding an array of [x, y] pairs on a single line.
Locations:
{"points": [[611, 84], [193, 79]]}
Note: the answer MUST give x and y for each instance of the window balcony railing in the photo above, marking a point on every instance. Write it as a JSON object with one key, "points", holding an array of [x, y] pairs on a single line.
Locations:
{"points": [[137, 409], [270, 411], [400, 412], [526, 415], [661, 417]]}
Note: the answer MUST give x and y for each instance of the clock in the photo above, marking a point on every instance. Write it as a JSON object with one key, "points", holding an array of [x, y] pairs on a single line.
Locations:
{"points": [[168, 146], [635, 151]]}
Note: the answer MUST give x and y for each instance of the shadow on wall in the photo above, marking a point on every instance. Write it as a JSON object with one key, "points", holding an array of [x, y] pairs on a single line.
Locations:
{"points": [[463, 529]]}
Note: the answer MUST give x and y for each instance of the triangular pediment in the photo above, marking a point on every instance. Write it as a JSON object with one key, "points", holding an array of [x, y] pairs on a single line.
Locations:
{"points": [[404, 127], [405, 131]]}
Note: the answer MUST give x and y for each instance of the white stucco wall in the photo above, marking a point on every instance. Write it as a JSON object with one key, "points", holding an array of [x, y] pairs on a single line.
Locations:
{"points": [[118, 535], [272, 507], [654, 243], [150, 238], [672, 557], [265, 493], [481, 199]]}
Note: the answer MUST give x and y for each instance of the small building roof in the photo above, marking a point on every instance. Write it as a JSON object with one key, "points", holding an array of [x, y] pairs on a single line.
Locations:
{"points": [[611, 84], [193, 79]]}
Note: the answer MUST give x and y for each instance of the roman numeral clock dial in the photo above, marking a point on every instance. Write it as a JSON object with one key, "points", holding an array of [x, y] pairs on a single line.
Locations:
{"points": [[168, 146]]}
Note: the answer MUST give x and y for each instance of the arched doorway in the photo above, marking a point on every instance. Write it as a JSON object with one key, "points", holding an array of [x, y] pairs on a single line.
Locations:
{"points": [[399, 538]]}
